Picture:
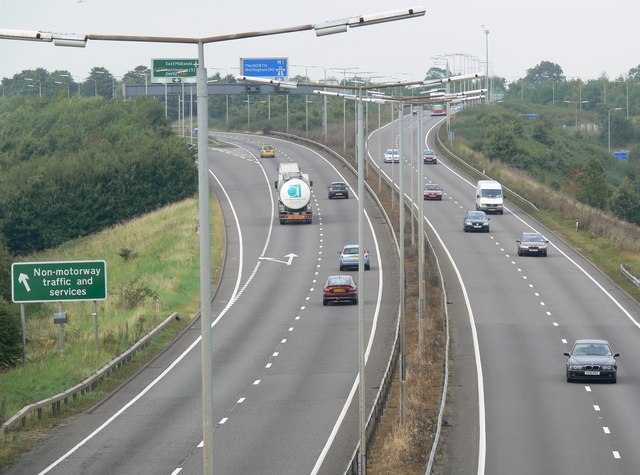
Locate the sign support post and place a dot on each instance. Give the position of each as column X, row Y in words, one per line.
column 95, row 323
column 23, row 322
column 61, row 329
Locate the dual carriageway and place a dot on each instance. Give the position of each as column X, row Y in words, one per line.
column 285, row 367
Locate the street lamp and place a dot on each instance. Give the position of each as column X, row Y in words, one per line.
column 71, row 80
column 626, row 83
column 39, row 85
column 68, row 89
column 609, row 123
column 95, row 86
column 321, row 29
column 146, row 84
column 576, row 103
column 486, row 75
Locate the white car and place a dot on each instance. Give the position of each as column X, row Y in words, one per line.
column 392, row 155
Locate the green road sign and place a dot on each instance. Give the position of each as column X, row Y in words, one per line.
column 174, row 68
column 58, row 281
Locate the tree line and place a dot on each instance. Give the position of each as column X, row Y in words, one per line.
column 70, row 168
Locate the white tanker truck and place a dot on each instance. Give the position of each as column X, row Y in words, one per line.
column 294, row 194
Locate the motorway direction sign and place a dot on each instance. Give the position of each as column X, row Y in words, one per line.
column 622, row 155
column 174, row 68
column 275, row 68
column 58, row 281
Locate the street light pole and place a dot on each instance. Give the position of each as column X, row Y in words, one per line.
column 361, row 298
column 626, row 83
column 68, row 90
column 576, row 103
column 609, row 123
column 403, row 378
column 30, row 79
column 422, row 143
column 486, row 75
column 95, row 86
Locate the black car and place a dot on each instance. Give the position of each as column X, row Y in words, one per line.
column 592, row 360
column 338, row 189
column 532, row 244
column 475, row 221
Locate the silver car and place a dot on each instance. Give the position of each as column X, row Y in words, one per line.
column 350, row 257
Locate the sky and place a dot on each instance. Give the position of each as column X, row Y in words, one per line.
column 586, row 38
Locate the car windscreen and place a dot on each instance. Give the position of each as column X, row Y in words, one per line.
column 532, row 238
column 491, row 193
column 597, row 349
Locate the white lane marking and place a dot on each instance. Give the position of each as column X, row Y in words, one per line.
column 241, row 400
column 606, row 430
column 616, row 454
column 178, row 359
column 256, row 382
column 596, row 408
column 482, row 440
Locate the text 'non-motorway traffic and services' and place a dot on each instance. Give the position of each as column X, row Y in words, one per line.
column 58, row 281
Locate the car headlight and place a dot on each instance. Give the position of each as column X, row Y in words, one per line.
column 608, row 367
column 468, row 223
column 574, row 367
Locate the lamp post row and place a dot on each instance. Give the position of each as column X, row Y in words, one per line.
column 321, row 29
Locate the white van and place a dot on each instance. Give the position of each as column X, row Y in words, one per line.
column 489, row 196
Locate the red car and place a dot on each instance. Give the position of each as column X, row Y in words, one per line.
column 432, row 191
column 340, row 288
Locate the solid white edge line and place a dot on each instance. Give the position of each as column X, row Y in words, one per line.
column 175, row 362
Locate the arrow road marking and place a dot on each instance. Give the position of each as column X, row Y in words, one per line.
column 24, row 280
column 287, row 262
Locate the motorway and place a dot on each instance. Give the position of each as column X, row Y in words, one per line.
column 511, row 410
column 285, row 366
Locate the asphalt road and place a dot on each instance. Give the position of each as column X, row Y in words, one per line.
column 511, row 410
column 285, row 366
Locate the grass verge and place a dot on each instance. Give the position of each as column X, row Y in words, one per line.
column 152, row 270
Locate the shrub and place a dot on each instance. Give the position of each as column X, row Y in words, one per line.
column 135, row 293
column 10, row 334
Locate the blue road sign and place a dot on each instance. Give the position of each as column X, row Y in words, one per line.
column 275, row 68
column 621, row 154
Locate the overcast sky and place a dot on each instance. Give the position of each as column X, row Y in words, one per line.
column 587, row 38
